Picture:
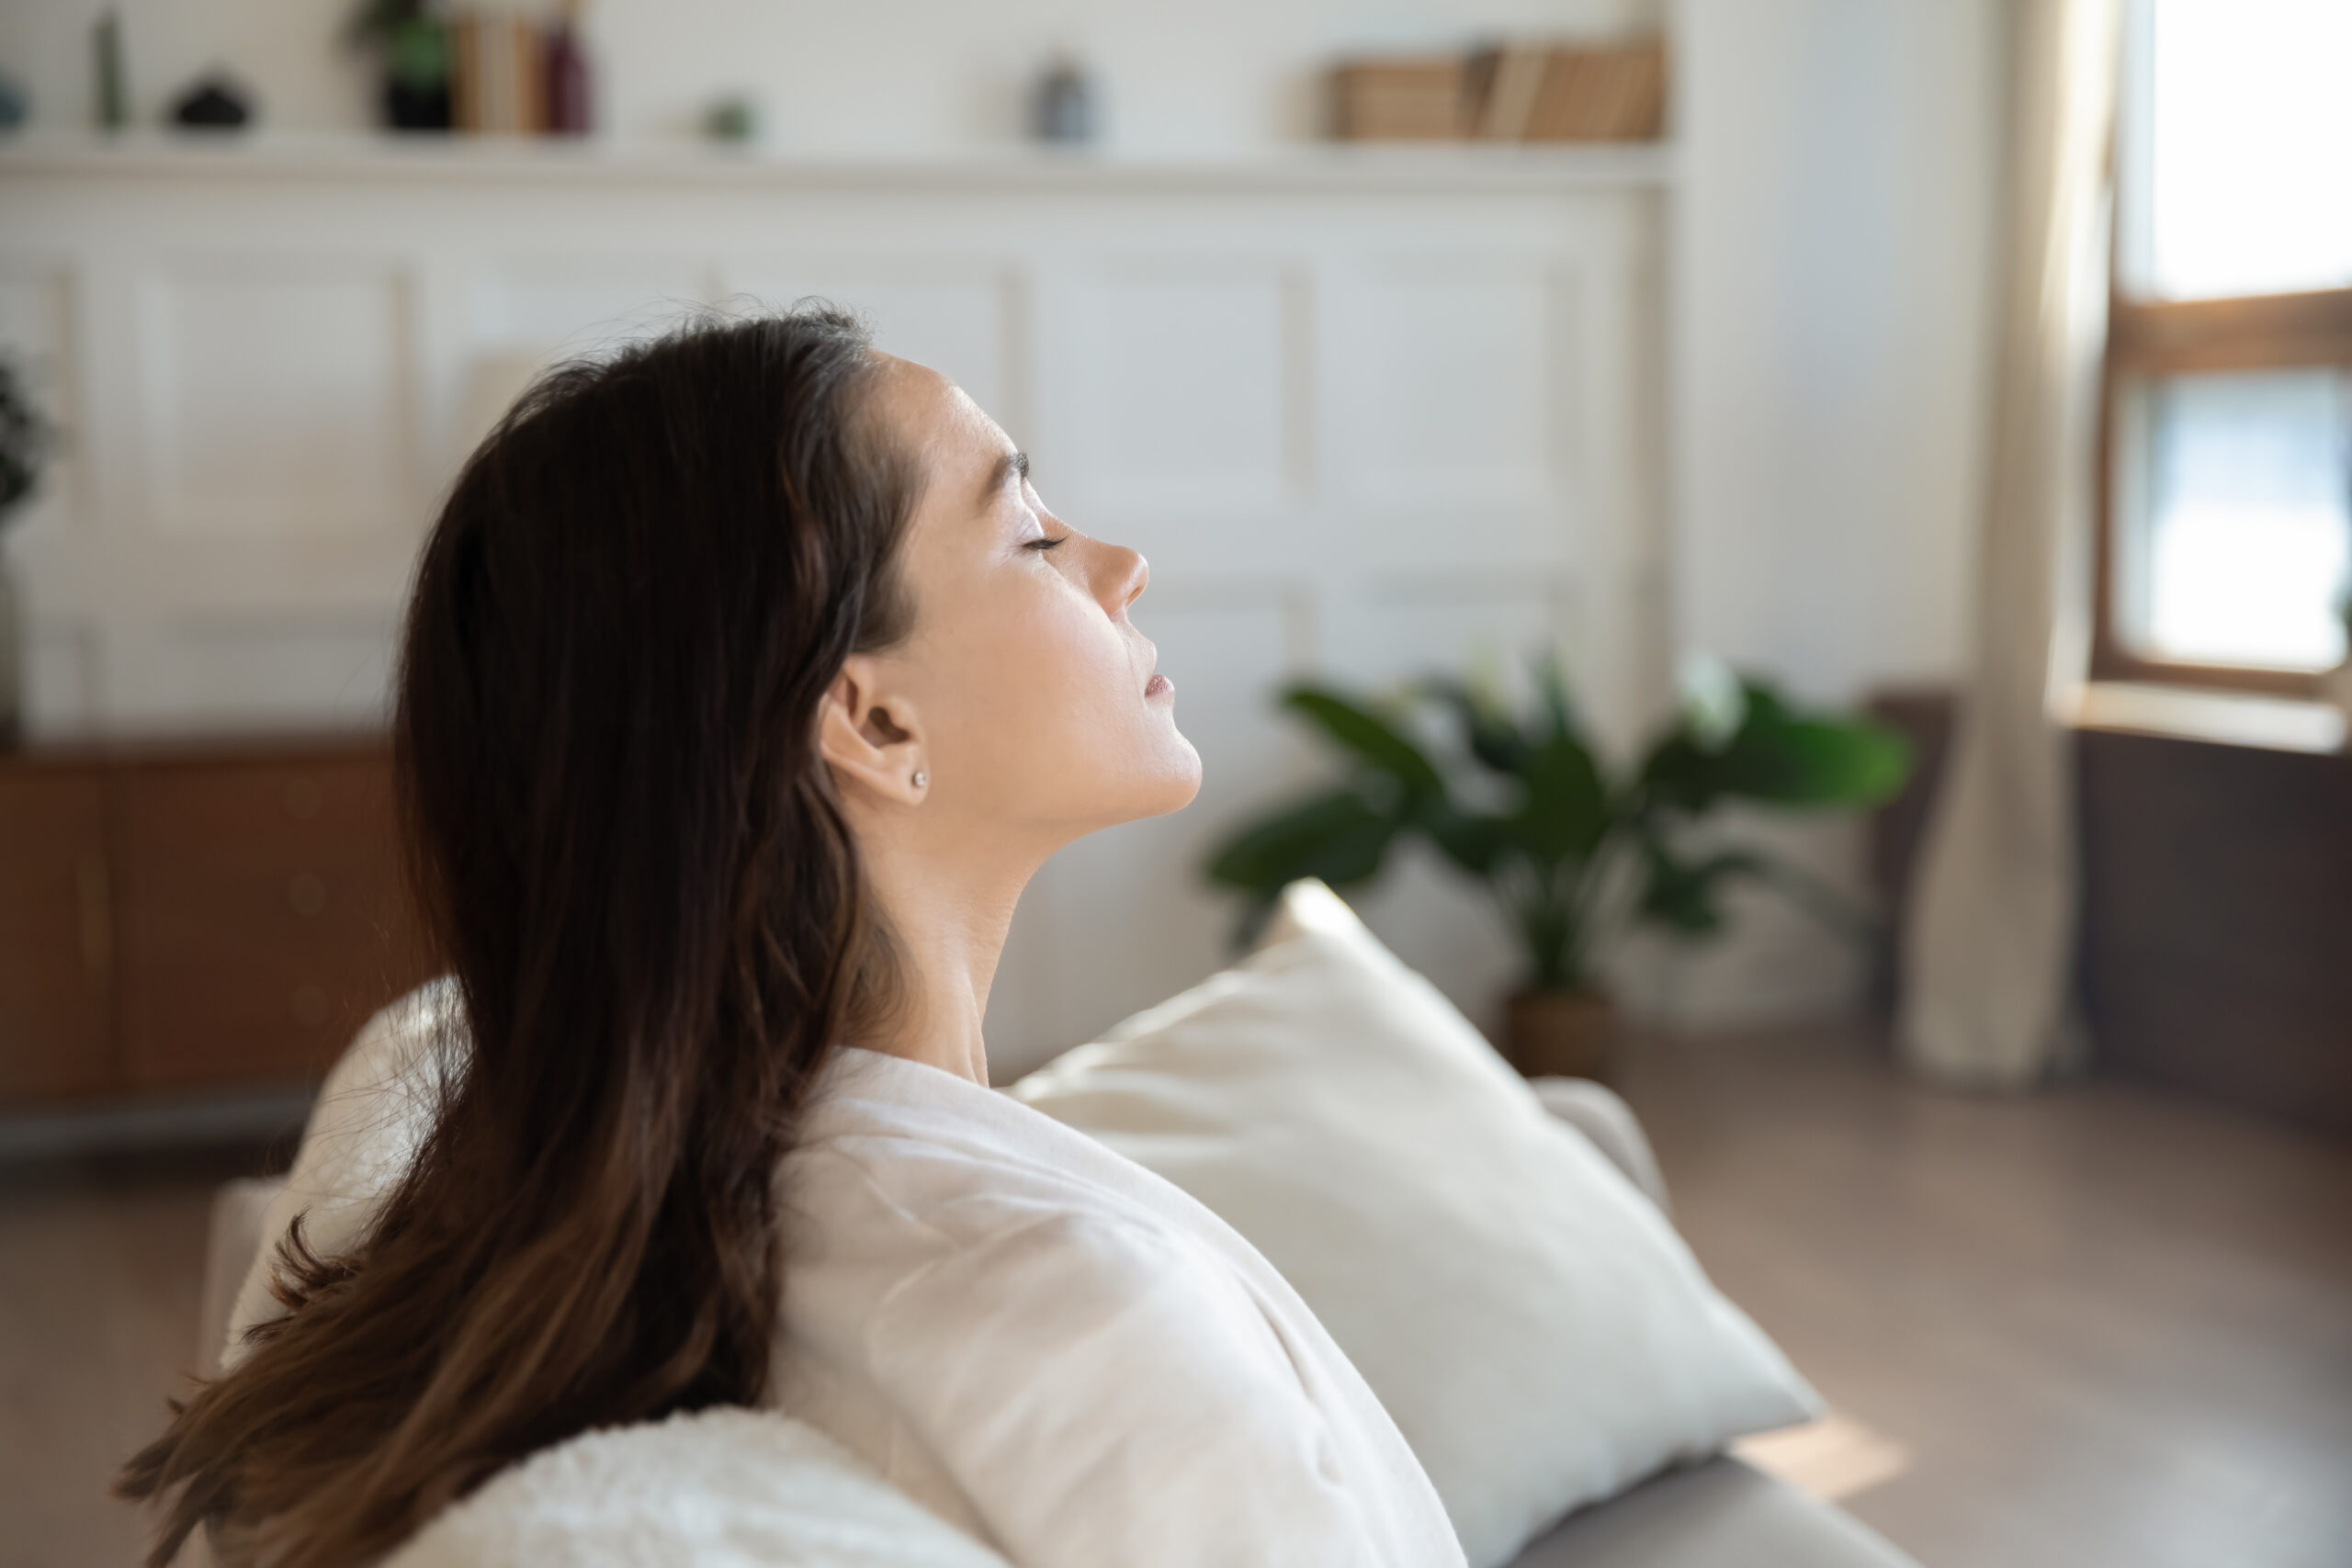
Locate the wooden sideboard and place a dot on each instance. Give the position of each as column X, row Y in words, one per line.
column 177, row 917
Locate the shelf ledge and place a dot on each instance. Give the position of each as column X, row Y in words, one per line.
column 1339, row 166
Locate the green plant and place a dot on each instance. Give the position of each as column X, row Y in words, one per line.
column 1570, row 857
column 412, row 38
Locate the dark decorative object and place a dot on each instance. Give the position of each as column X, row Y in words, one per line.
column 25, row 440
column 1063, row 110
column 1570, row 857
column 113, row 76
column 15, row 108
column 214, row 102
column 570, row 96
column 413, row 49
column 734, row 120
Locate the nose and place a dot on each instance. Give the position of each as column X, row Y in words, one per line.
column 1120, row 577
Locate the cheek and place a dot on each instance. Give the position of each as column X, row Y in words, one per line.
column 1045, row 710
column 1060, row 665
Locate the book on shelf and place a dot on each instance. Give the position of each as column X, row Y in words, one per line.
column 1536, row 91
column 1399, row 100
column 1591, row 95
column 499, row 83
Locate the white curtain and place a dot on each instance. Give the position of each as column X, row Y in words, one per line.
column 1989, row 948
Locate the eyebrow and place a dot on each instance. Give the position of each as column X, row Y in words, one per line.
column 1010, row 465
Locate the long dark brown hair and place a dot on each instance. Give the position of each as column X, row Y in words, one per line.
column 634, row 862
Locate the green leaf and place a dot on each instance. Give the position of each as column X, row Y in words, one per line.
column 1566, row 808
column 1683, row 894
column 1490, row 735
column 1552, row 688
column 1682, row 775
column 1815, row 760
column 1337, row 836
column 1473, row 840
column 1780, row 756
column 1370, row 737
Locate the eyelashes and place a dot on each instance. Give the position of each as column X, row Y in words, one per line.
column 1046, row 544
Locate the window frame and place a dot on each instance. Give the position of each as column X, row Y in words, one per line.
column 2150, row 338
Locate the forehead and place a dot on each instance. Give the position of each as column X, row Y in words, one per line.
column 945, row 428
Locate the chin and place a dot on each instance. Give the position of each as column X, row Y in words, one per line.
column 1172, row 784
column 1188, row 785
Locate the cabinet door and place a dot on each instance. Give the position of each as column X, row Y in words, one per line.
column 263, row 918
column 56, row 940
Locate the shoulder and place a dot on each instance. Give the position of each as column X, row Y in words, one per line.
column 930, row 1215
column 922, row 1147
column 935, row 1215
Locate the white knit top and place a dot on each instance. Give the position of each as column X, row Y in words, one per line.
column 1035, row 1338
column 1063, row 1353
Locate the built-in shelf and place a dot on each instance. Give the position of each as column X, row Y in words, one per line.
column 358, row 155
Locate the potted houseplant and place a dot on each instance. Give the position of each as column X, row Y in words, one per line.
column 415, row 53
column 24, row 443
column 1570, row 856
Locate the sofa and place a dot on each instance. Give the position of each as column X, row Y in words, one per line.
column 1717, row 1514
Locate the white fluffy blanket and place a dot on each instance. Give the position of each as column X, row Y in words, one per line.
column 726, row 1488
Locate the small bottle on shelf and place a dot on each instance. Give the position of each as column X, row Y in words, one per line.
column 571, row 104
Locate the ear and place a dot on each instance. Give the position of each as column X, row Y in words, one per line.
column 870, row 738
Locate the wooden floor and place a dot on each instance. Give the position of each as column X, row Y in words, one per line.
column 101, row 1262
column 2104, row 1325
column 2101, row 1327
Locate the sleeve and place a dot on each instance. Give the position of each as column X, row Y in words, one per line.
column 1106, row 1394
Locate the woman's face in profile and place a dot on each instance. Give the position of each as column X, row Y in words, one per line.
column 1033, row 694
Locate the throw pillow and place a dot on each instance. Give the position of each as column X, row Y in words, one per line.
column 1531, row 1321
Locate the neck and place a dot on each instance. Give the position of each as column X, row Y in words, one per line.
column 948, row 915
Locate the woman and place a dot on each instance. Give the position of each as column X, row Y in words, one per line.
column 746, row 681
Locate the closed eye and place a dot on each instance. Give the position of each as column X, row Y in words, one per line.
column 1046, row 544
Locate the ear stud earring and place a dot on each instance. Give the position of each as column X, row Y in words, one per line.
column 921, row 778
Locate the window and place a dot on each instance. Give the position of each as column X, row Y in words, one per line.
column 2225, row 544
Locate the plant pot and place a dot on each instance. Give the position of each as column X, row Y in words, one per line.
column 1560, row 1033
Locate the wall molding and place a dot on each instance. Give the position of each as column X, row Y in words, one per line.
column 1370, row 413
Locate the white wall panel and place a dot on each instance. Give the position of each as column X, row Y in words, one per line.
column 1354, row 414
column 61, row 691
column 963, row 318
column 324, row 671
column 1450, row 376
column 520, row 313
column 276, row 396
column 1172, row 402
column 574, row 304
column 1446, row 619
